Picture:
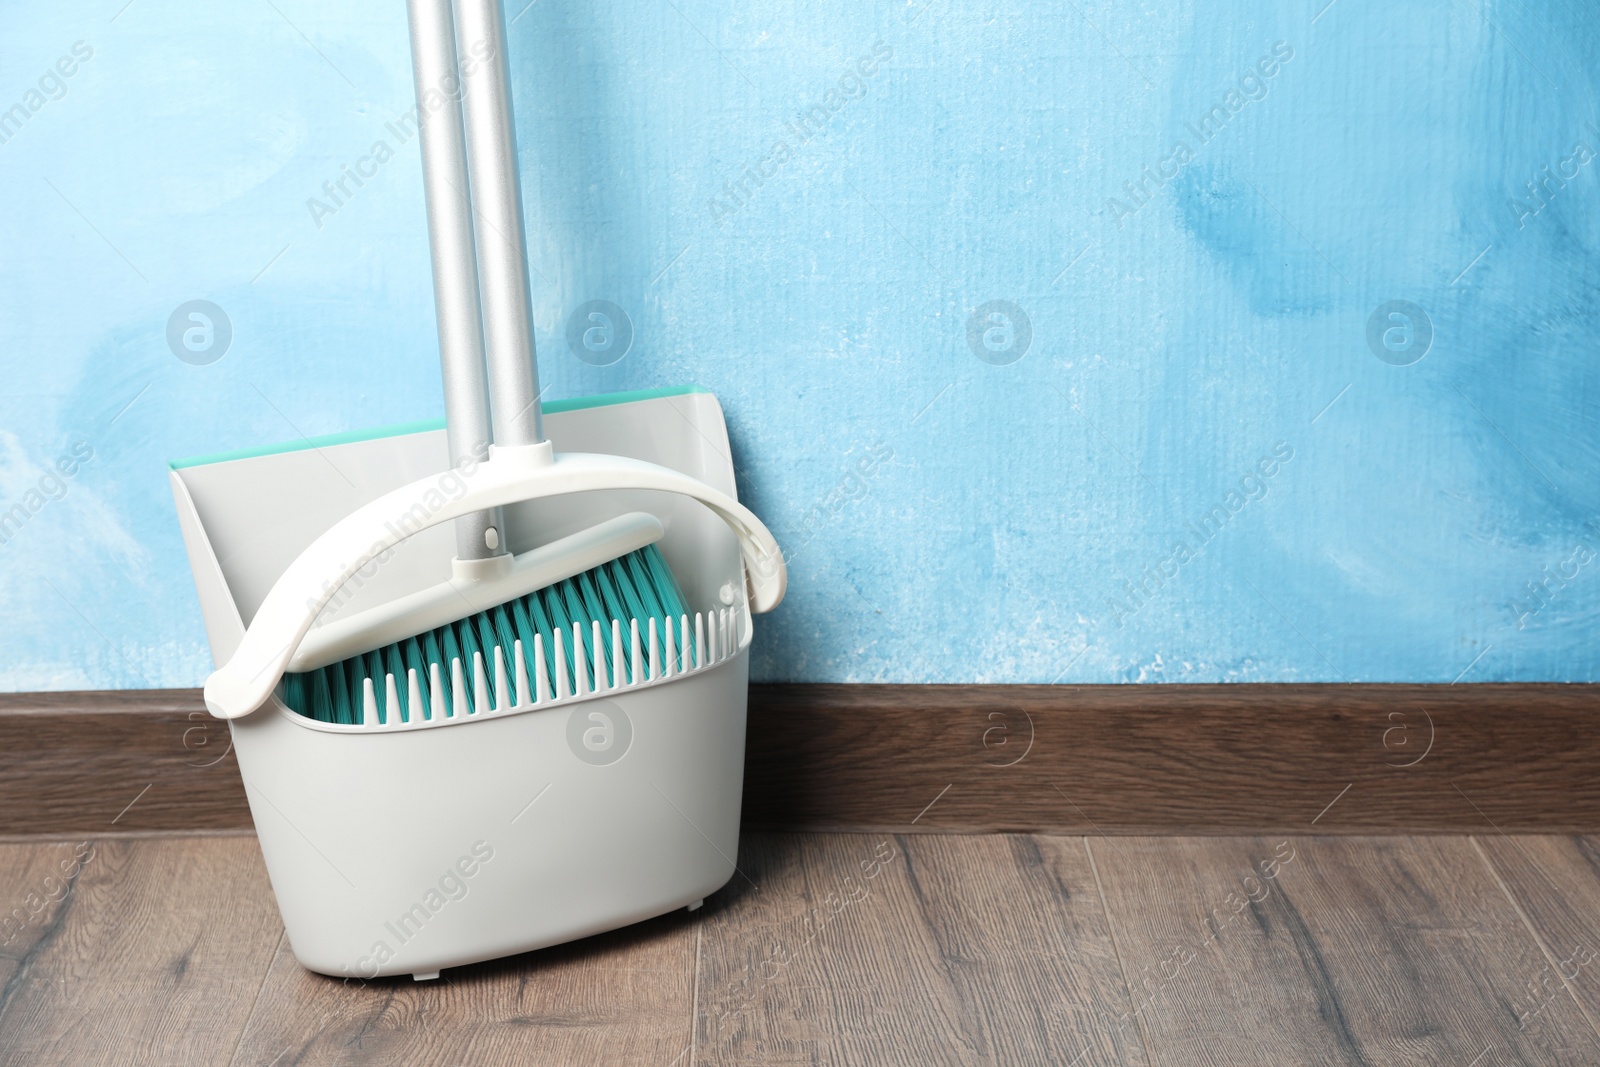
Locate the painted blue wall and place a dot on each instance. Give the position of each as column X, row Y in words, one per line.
column 1192, row 214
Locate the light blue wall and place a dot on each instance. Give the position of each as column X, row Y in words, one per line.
column 1178, row 337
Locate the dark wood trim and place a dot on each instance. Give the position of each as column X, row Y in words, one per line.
column 72, row 763
column 1160, row 759
column 1176, row 759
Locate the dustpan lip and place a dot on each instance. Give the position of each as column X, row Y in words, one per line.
column 564, row 703
column 553, row 407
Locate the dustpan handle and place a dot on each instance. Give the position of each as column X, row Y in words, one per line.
column 455, row 265
column 366, row 535
column 502, row 245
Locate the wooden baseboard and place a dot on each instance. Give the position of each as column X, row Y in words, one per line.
column 1120, row 759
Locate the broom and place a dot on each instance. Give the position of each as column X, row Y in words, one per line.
column 526, row 605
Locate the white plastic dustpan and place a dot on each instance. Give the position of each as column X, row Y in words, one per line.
column 411, row 846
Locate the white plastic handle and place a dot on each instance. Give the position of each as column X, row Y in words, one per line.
column 509, row 475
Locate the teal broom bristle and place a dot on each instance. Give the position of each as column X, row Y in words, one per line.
column 635, row 586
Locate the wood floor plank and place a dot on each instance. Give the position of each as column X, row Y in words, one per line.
column 848, row 949
column 619, row 998
column 153, row 955
column 1354, row 951
column 35, row 878
column 852, row 949
column 1556, row 883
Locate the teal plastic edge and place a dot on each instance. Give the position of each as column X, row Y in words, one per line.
column 554, row 407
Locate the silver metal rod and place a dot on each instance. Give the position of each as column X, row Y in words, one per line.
column 497, row 202
column 455, row 270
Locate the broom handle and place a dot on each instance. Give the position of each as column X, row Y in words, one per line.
column 455, row 271
column 502, row 246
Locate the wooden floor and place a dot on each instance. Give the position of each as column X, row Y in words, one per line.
column 857, row 949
